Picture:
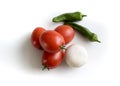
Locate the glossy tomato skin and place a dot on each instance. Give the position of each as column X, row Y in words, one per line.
column 35, row 37
column 52, row 60
column 66, row 31
column 51, row 41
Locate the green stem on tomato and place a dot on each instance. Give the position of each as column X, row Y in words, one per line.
column 62, row 47
column 44, row 67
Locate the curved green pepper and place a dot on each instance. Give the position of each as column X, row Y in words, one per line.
column 70, row 17
column 84, row 31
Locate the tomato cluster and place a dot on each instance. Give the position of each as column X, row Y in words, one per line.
column 53, row 43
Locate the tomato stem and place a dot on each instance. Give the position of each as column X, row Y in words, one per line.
column 44, row 67
column 62, row 47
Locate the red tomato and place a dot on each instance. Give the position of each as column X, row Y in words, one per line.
column 66, row 31
column 51, row 41
column 35, row 37
column 52, row 60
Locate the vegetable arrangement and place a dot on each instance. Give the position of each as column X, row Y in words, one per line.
column 53, row 42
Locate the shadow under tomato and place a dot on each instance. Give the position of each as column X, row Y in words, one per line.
column 31, row 56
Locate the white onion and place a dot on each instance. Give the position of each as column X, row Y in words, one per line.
column 76, row 55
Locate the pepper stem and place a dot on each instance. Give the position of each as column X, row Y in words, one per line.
column 98, row 41
column 84, row 15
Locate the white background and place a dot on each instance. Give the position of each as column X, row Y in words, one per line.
column 20, row 62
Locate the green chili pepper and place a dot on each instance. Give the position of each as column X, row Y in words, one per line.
column 84, row 31
column 69, row 17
